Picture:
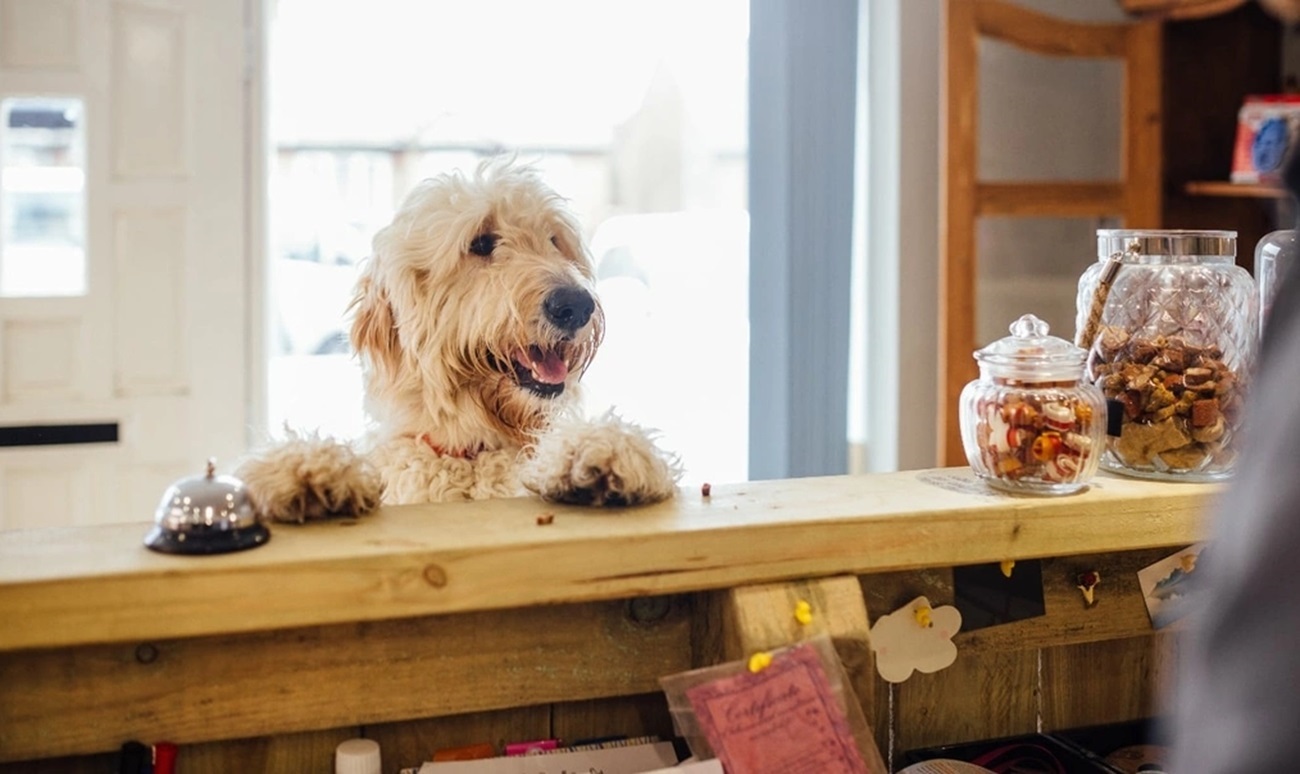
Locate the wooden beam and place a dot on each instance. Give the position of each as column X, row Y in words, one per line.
column 94, row 585
column 750, row 619
column 1058, row 200
column 959, row 173
column 1045, row 34
column 90, row 699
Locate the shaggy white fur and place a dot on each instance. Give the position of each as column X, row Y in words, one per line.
column 475, row 318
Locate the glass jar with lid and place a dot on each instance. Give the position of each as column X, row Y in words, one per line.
column 1171, row 324
column 1030, row 423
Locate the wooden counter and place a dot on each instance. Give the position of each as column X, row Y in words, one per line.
column 473, row 620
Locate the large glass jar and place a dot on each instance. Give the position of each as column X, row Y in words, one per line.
column 1029, row 423
column 1171, row 324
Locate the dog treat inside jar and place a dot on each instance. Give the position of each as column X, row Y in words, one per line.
column 1030, row 423
column 1170, row 322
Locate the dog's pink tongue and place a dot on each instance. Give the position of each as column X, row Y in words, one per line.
column 547, row 366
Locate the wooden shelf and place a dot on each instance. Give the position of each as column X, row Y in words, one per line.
column 86, row 585
column 1238, row 190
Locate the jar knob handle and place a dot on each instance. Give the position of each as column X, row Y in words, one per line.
column 1029, row 326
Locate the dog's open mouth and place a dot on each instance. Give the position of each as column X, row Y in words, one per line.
column 541, row 371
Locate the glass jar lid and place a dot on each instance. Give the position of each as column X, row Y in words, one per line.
column 1133, row 245
column 1030, row 354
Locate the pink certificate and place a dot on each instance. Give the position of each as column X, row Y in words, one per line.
column 782, row 720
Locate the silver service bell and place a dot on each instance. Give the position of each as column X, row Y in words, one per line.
column 207, row 514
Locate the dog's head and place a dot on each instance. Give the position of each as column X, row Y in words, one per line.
column 476, row 314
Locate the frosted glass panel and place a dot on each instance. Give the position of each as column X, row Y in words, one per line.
column 42, row 197
column 1048, row 118
column 1031, row 265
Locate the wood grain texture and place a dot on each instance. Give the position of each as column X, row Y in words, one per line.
column 982, row 696
column 311, row 751
column 1234, row 190
column 1119, row 613
column 958, row 204
column 87, row 699
column 1143, row 124
column 1100, row 682
column 1074, row 200
column 760, row 618
column 1043, row 34
column 1180, row 9
column 640, row 715
column 411, row 742
column 98, row 585
column 993, row 690
column 79, row 764
column 1209, row 66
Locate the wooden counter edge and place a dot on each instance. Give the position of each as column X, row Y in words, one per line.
column 98, row 585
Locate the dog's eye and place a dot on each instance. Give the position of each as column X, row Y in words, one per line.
column 555, row 242
column 483, row 244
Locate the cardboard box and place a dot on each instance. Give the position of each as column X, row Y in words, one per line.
column 1267, row 127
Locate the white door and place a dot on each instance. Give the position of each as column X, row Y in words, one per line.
column 123, row 251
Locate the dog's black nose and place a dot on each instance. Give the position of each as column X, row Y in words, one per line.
column 569, row 308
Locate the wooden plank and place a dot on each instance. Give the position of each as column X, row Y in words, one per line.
column 98, row 585
column 1043, row 34
column 1067, row 200
column 1234, row 190
column 760, row 618
column 1180, row 9
column 89, row 699
column 990, row 692
column 80, row 764
column 958, row 170
column 982, row 696
column 1100, row 682
column 1140, row 150
column 641, row 715
column 1120, row 612
column 409, row 743
column 311, row 751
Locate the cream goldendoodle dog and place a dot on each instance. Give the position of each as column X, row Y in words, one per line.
column 475, row 317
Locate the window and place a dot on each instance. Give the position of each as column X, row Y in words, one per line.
column 42, row 197
column 634, row 110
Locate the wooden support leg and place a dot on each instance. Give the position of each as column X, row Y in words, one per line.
column 735, row 623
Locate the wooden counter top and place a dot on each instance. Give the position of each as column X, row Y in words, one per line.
column 91, row 585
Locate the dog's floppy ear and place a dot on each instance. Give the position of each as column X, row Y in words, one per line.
column 374, row 331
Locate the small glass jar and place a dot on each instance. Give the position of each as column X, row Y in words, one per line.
column 1171, row 324
column 1030, row 423
column 1273, row 257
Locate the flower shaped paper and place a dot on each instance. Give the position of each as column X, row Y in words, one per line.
column 904, row 645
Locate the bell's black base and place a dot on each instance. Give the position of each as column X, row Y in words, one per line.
column 204, row 542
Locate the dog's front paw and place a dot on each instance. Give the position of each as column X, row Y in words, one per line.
column 603, row 462
column 307, row 477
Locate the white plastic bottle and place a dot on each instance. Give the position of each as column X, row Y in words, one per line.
column 357, row 756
